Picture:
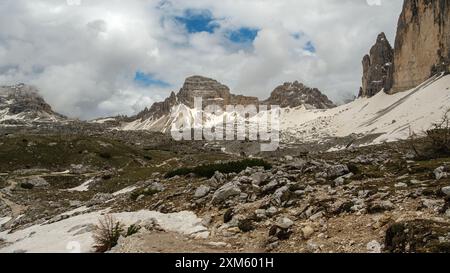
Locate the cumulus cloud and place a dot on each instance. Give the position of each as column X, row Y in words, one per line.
column 85, row 58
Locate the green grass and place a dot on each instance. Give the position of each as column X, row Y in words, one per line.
column 208, row 170
column 56, row 152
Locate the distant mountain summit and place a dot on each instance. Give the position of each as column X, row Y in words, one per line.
column 22, row 104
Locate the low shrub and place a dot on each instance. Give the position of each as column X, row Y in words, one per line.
column 133, row 229
column 107, row 234
column 105, row 155
column 436, row 143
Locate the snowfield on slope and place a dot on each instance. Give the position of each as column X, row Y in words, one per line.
column 394, row 117
column 75, row 234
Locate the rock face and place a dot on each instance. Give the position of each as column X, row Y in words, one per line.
column 296, row 94
column 211, row 91
column 422, row 44
column 23, row 103
column 377, row 68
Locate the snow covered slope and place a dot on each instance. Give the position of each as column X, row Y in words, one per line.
column 75, row 233
column 393, row 117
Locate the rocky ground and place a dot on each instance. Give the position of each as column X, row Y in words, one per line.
column 371, row 199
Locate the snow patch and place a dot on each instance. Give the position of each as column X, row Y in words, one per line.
column 64, row 236
column 126, row 190
column 83, row 187
column 4, row 220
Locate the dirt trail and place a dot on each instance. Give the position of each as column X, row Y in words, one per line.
column 16, row 209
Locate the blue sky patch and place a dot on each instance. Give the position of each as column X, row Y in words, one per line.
column 310, row 47
column 243, row 35
column 297, row 35
column 198, row 21
column 147, row 80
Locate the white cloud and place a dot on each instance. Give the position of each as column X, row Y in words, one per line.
column 83, row 58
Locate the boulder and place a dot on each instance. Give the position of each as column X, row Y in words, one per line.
column 226, row 191
column 335, row 171
column 440, row 173
column 35, row 182
column 202, row 191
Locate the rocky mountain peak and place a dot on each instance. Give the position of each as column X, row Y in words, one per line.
column 210, row 90
column 296, row 94
column 24, row 102
column 377, row 67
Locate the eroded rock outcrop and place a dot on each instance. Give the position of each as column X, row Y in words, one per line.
column 296, row 94
column 377, row 68
column 23, row 103
column 422, row 45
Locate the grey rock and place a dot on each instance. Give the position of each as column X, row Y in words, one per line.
column 258, row 178
column 202, row 191
column 374, row 247
column 35, row 182
column 272, row 211
column 156, row 187
column 380, row 206
column 335, row 171
column 281, row 196
column 226, row 191
column 440, row 173
column 285, row 223
column 446, row 191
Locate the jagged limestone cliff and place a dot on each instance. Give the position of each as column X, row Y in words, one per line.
column 422, row 45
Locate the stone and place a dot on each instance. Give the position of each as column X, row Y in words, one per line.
column 261, row 213
column 285, row 223
column 380, row 206
column 339, row 181
column 258, row 178
column 307, row 232
column 446, row 191
column 335, row 171
column 440, row 173
column 202, row 191
column 281, row 196
column 226, row 191
column 374, row 247
column 35, row 182
column 280, row 233
column 272, row 211
column 156, row 187
column 401, row 185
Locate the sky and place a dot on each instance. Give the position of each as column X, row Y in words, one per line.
column 93, row 58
